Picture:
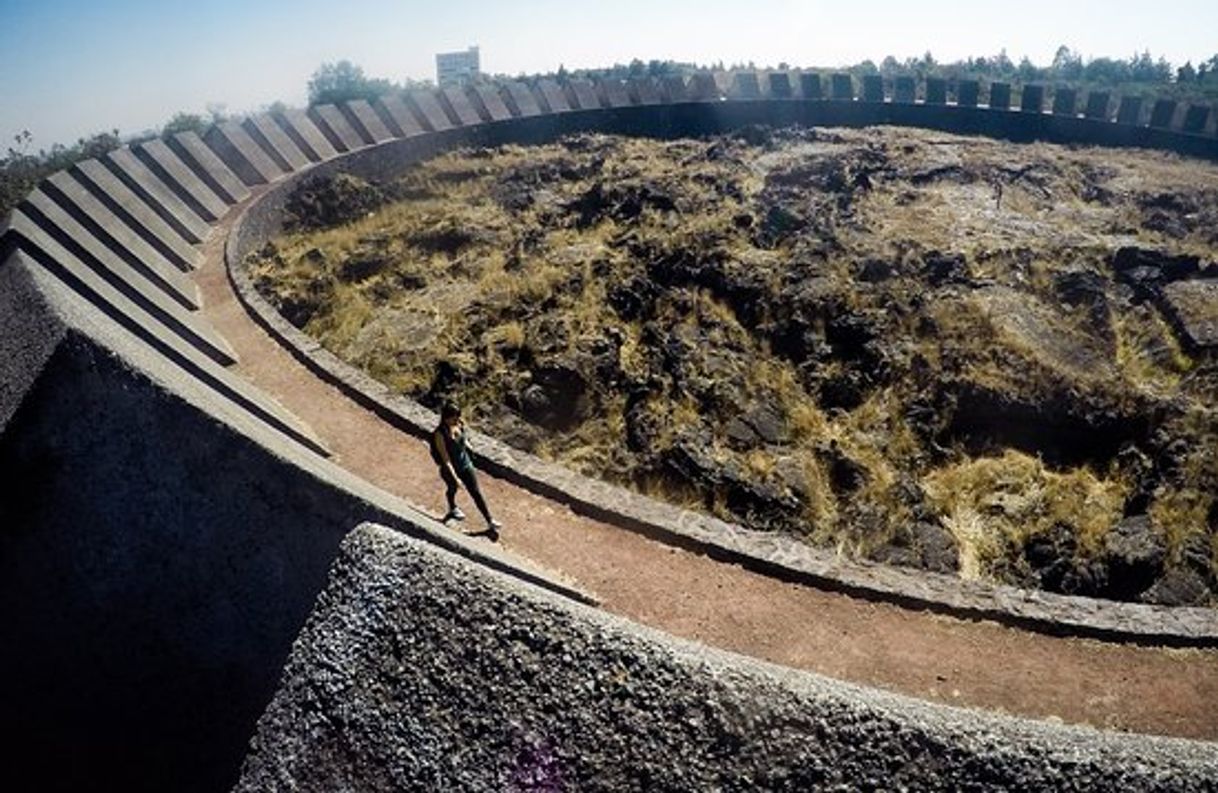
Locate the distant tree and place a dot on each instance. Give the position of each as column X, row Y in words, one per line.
column 97, row 145
column 185, row 122
column 344, row 81
column 20, row 170
column 218, row 112
column 1028, row 71
column 1067, row 64
column 1186, row 73
column 889, row 66
column 22, row 139
column 1143, row 68
column 1003, row 65
column 1106, row 70
column 657, row 68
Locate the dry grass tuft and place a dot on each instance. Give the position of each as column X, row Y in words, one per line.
column 995, row 505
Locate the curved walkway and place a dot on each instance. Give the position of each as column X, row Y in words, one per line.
column 969, row 663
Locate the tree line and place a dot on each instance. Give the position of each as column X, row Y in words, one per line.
column 22, row 168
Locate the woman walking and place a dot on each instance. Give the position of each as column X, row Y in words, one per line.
column 449, row 450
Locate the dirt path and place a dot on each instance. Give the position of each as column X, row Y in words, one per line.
column 975, row 664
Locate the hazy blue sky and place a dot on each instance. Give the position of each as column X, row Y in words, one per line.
column 73, row 67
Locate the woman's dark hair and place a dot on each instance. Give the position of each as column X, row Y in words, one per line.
column 449, row 410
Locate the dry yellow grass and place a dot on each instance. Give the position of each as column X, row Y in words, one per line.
column 995, row 505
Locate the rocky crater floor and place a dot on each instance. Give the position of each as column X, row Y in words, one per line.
column 949, row 353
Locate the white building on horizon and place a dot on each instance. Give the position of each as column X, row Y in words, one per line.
column 458, row 68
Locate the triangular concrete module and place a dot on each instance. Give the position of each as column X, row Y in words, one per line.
column 271, row 137
column 250, row 161
column 334, row 125
column 460, row 105
column 492, row 104
column 172, row 240
column 403, row 625
column 614, row 93
column 520, row 99
column 88, row 210
column 296, row 123
column 188, row 185
column 40, row 216
column 552, row 93
column 366, row 121
column 430, row 110
column 157, row 194
column 218, row 176
column 402, row 116
column 584, row 94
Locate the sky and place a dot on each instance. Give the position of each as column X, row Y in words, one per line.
column 70, row 68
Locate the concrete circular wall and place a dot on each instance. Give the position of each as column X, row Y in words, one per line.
column 185, row 486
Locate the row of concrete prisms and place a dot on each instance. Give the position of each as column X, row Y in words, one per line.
column 125, row 230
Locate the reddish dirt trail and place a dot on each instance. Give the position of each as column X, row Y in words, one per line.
column 960, row 662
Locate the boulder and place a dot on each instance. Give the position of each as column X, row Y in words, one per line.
column 767, row 420
column 1134, row 552
column 634, row 298
column 621, row 202
column 777, row 225
column 875, row 271
column 924, row 545
column 938, row 550
column 790, row 473
column 1147, row 270
column 843, row 389
column 741, row 286
column 1178, row 587
column 332, row 201
column 359, row 268
column 845, row 474
column 1083, row 288
column 853, row 337
column 945, row 268
column 451, row 375
column 557, row 398
column 761, row 505
column 761, row 424
column 450, row 238
column 300, row 306
column 740, row 435
column 1192, row 307
column 1064, row 426
column 643, row 430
